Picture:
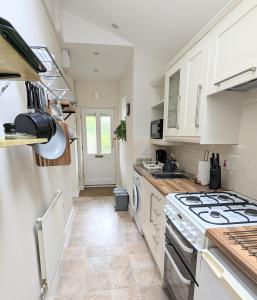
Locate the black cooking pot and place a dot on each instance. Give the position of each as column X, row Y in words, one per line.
column 38, row 123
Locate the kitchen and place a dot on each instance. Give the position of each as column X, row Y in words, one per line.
column 186, row 157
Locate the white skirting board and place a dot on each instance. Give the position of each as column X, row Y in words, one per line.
column 50, row 231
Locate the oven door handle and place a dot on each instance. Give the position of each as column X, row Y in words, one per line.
column 182, row 278
column 181, row 244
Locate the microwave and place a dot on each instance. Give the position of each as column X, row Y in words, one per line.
column 157, row 129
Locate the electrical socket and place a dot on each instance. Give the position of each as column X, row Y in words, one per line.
column 226, row 164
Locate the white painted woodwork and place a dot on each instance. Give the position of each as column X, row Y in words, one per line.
column 153, row 221
column 234, row 48
column 99, row 168
column 174, row 79
column 196, row 61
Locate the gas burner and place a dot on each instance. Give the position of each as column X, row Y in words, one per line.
column 224, row 197
column 251, row 212
column 215, row 214
column 193, row 199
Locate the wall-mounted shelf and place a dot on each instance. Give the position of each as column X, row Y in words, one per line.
column 17, row 60
column 161, row 142
column 12, row 63
column 72, row 140
column 52, row 79
column 18, row 142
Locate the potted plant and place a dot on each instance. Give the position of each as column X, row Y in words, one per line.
column 120, row 131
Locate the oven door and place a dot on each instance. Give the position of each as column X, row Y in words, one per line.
column 184, row 248
column 178, row 280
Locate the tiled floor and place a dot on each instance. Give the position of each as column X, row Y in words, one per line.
column 106, row 258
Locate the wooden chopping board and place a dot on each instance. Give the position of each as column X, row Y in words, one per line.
column 241, row 257
column 63, row 160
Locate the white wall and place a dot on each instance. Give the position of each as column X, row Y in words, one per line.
column 135, row 85
column 126, row 89
column 242, row 158
column 108, row 92
column 25, row 189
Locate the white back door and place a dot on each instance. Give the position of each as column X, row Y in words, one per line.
column 98, row 146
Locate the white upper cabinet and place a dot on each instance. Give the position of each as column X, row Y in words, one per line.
column 196, row 61
column 234, row 48
column 174, row 79
column 185, row 86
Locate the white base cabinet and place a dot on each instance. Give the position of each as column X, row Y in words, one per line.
column 219, row 279
column 154, row 221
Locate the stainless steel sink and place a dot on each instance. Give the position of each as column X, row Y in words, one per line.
column 171, row 175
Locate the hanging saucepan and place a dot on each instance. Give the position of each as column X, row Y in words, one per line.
column 55, row 147
column 38, row 123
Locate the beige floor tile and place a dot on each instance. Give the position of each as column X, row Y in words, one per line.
column 122, row 279
column 77, row 241
column 98, row 264
column 106, row 257
column 73, row 266
column 70, row 284
column 97, row 281
column 102, row 295
column 105, row 250
column 108, row 263
column 127, row 294
column 147, row 277
column 154, row 293
column 74, row 253
column 136, row 247
column 133, row 237
column 70, row 297
column 119, row 263
column 142, row 261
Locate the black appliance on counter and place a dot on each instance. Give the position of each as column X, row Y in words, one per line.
column 157, row 129
column 161, row 156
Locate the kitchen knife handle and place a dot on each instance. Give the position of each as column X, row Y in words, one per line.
column 28, row 91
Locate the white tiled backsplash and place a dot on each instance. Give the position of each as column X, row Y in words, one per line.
column 241, row 176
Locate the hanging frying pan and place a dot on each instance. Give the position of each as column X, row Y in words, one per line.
column 55, row 147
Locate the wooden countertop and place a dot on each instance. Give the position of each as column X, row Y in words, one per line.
column 166, row 186
column 241, row 257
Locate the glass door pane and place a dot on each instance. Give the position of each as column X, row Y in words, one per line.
column 91, row 134
column 174, row 82
column 106, row 144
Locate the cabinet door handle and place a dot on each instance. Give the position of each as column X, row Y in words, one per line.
column 197, row 107
column 251, row 69
column 178, row 110
column 151, row 207
column 99, row 156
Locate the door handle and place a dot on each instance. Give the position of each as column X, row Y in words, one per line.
column 178, row 112
column 197, row 107
column 251, row 69
column 99, row 156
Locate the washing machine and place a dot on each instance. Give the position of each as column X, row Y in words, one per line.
column 136, row 201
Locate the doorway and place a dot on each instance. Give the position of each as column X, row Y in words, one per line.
column 98, row 147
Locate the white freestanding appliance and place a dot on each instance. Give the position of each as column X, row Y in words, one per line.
column 136, row 201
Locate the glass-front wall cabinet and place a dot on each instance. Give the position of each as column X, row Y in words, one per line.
column 172, row 99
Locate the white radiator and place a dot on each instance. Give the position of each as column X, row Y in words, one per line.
column 50, row 231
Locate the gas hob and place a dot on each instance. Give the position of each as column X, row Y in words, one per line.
column 193, row 213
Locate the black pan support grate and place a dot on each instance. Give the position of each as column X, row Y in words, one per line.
column 247, row 239
column 211, row 195
column 229, row 208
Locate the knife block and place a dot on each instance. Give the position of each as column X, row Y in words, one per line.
column 215, row 179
